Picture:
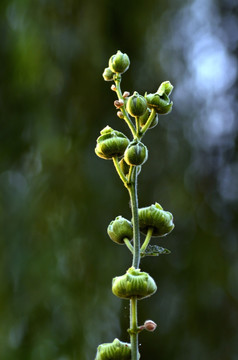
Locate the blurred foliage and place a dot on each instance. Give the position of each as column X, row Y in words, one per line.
column 57, row 197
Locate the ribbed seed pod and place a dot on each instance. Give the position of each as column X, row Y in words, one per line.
column 136, row 105
column 136, row 153
column 119, row 62
column 133, row 284
column 143, row 119
column 119, row 229
column 107, row 74
column 117, row 350
column 156, row 218
column 111, row 143
column 161, row 104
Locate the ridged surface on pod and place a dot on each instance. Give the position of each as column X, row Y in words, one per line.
column 117, row 350
column 136, row 153
column 111, row 143
column 119, row 62
column 161, row 104
column 133, row 284
column 136, row 105
column 119, row 229
column 155, row 217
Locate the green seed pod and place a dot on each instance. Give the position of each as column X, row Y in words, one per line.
column 161, row 104
column 119, row 229
column 117, row 350
column 143, row 119
column 136, row 153
column 107, row 74
column 111, row 143
column 156, row 218
column 136, row 105
column 133, row 284
column 119, row 62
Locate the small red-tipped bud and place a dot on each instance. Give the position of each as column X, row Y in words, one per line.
column 120, row 115
column 119, row 103
column 126, row 94
column 150, row 325
column 113, row 87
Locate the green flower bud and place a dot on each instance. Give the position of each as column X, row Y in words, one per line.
column 133, row 283
column 119, row 229
column 119, row 62
column 143, row 119
column 111, row 143
column 156, row 218
column 165, row 88
column 161, row 104
column 136, row 153
column 107, row 74
column 117, row 350
column 136, row 105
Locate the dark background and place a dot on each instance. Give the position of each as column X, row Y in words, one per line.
column 57, row 198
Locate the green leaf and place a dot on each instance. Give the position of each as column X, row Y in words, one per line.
column 154, row 250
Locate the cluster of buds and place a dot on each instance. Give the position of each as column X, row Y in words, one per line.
column 140, row 113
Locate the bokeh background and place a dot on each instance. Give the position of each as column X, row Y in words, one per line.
column 57, row 198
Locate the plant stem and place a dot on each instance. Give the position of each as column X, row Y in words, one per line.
column 127, row 119
column 148, row 123
column 119, row 170
column 128, row 244
column 134, row 329
column 132, row 188
column 147, row 239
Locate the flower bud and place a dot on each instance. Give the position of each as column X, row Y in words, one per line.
column 119, row 229
column 136, row 153
column 107, row 74
column 136, row 105
column 143, row 119
column 119, row 62
column 111, row 143
column 156, row 218
column 126, row 94
column 117, row 350
column 133, row 284
column 118, row 103
column 120, row 115
column 150, row 325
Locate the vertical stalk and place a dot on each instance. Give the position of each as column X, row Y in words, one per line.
column 133, row 329
column 132, row 188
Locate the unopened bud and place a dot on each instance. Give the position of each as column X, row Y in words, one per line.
column 126, row 94
column 119, row 62
column 150, row 325
column 108, row 74
column 119, row 103
column 113, row 87
column 120, row 115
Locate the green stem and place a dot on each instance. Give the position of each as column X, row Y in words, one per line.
column 117, row 80
column 147, row 240
column 132, row 188
column 128, row 244
column 148, row 123
column 119, row 170
column 134, row 329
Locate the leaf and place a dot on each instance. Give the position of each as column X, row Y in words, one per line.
column 155, row 250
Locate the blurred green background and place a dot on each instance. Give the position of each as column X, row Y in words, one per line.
column 57, row 198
